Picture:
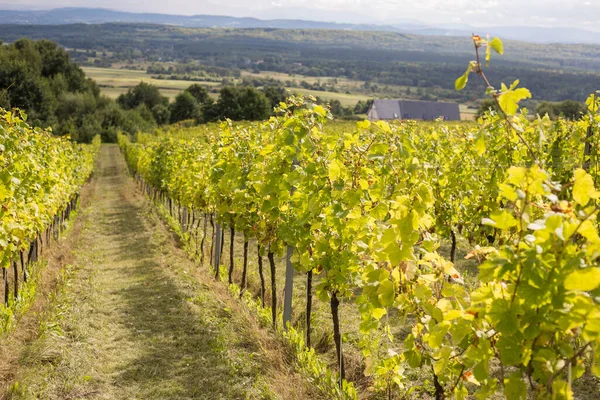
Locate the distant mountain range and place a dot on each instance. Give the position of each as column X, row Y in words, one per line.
column 62, row 16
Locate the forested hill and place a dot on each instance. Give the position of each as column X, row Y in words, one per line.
column 70, row 15
column 414, row 47
column 552, row 72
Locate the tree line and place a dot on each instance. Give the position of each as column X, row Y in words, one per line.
column 40, row 78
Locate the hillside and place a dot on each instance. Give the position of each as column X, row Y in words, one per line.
column 240, row 241
column 73, row 15
column 385, row 59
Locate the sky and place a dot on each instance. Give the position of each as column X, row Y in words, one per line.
column 549, row 13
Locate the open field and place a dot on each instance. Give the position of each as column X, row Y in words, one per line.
column 114, row 81
column 466, row 113
column 344, row 83
column 347, row 100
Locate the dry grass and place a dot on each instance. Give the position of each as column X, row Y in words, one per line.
column 58, row 257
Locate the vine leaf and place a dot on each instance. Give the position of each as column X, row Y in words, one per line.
column 586, row 279
column 510, row 98
column 385, row 293
column 497, row 46
column 514, row 387
column 461, row 82
column 378, row 313
column 583, row 188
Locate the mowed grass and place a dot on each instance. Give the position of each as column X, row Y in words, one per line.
column 138, row 320
column 466, row 113
column 283, row 77
column 347, row 100
column 321, row 325
column 114, row 81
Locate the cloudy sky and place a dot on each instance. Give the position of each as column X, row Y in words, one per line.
column 567, row 13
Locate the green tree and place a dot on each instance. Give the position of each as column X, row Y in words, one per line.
column 206, row 110
column 200, row 93
column 572, row 110
column 569, row 109
column 137, row 121
column 362, row 107
column 40, row 78
column 548, row 108
column 487, row 105
column 254, row 105
column 228, row 105
column 275, row 95
column 184, row 107
column 161, row 113
column 148, row 95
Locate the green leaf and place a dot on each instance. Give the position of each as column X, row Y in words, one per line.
column 386, row 293
column 461, row 392
column 592, row 103
column 480, row 144
column 586, row 279
column 459, row 330
column 583, row 188
column 413, row 358
column 437, row 335
column 507, row 191
column 510, row 350
column 443, row 357
column 514, row 387
column 397, row 253
column 497, row 45
column 596, row 362
column 500, row 219
column 3, row 192
column 509, row 99
column 516, row 175
column 589, row 231
column 384, row 126
column 561, row 390
column 335, row 169
column 320, row 110
column 461, row 82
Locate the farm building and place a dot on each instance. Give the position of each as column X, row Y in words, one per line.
column 412, row 109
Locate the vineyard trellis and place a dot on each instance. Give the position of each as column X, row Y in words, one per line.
column 368, row 212
column 40, row 180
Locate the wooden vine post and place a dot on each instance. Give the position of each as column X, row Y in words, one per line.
column 217, row 260
column 289, row 273
column 587, row 150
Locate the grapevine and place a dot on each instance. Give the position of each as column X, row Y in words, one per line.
column 366, row 210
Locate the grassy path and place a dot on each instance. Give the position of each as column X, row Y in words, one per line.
column 137, row 320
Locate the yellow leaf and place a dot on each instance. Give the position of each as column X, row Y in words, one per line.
column 583, row 188
column 320, row 110
column 363, row 124
column 585, row 279
column 378, row 313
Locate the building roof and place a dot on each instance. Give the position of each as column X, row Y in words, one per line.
column 412, row 109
